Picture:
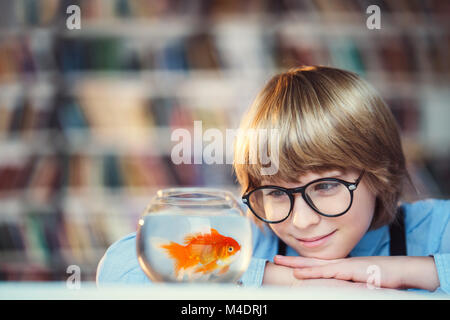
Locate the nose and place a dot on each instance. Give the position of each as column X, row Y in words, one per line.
column 303, row 216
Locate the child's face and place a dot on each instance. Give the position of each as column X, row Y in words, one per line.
column 304, row 225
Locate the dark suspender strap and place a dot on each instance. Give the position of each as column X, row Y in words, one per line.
column 398, row 235
column 281, row 247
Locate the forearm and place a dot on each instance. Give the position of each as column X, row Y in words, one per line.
column 421, row 274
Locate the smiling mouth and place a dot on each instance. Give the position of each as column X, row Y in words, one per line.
column 316, row 241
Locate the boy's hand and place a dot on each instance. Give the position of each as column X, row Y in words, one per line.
column 387, row 272
column 282, row 275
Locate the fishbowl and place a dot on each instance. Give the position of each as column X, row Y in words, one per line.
column 194, row 235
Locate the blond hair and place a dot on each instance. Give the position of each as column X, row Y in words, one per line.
column 327, row 118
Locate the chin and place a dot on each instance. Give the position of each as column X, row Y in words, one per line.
column 325, row 254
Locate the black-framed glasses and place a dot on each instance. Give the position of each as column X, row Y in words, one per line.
column 329, row 197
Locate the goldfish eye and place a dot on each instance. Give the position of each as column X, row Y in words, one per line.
column 230, row 249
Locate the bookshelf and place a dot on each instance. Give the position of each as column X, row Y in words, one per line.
column 86, row 115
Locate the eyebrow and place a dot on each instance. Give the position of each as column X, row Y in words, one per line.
column 333, row 174
column 329, row 174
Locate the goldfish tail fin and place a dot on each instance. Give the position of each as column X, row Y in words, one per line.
column 178, row 253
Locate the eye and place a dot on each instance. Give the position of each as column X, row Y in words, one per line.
column 276, row 193
column 230, row 249
column 325, row 186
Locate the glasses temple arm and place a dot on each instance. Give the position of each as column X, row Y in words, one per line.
column 360, row 177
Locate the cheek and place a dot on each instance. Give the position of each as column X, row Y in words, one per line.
column 357, row 220
column 280, row 229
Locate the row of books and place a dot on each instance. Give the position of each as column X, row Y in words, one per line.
column 37, row 12
column 194, row 52
column 72, row 128
column 42, row 178
column 398, row 53
column 62, row 235
column 103, row 109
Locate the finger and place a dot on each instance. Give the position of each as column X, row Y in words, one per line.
column 295, row 262
column 326, row 272
column 309, row 273
column 327, row 283
column 301, row 262
column 340, row 271
column 340, row 283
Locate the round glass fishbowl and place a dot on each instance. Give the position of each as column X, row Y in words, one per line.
column 194, row 235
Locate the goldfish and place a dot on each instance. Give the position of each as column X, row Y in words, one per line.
column 202, row 253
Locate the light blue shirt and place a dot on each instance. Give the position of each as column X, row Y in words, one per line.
column 427, row 233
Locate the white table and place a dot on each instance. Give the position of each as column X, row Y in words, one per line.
column 89, row 291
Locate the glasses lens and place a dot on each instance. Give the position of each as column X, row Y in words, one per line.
column 329, row 197
column 271, row 204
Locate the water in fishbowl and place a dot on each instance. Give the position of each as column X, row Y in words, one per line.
column 180, row 247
